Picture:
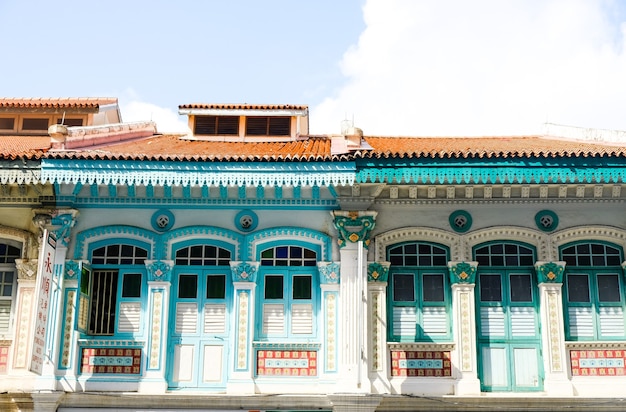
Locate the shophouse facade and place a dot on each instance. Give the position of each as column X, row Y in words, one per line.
column 251, row 265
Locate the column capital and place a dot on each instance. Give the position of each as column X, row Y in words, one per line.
column 329, row 272
column 244, row 271
column 159, row 270
column 550, row 272
column 26, row 268
column 378, row 271
column 57, row 221
column 462, row 272
column 354, row 226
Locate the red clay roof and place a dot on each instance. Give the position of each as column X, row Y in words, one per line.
column 487, row 147
column 317, row 148
column 55, row 103
column 27, row 147
column 243, row 106
column 171, row 147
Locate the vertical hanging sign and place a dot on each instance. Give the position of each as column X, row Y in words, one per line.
column 44, row 281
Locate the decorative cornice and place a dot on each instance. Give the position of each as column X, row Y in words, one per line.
column 354, row 226
column 244, row 271
column 80, row 251
column 378, row 271
column 290, row 233
column 462, row 272
column 550, row 272
column 329, row 272
column 604, row 233
column 202, row 233
column 535, row 238
column 159, row 270
column 423, row 234
column 287, row 345
column 596, row 345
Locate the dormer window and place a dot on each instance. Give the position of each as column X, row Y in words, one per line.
column 246, row 122
column 217, row 125
column 268, row 126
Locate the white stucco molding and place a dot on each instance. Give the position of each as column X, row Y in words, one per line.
column 510, row 233
column 602, row 233
column 426, row 234
column 28, row 240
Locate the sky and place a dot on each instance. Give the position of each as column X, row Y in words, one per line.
column 391, row 67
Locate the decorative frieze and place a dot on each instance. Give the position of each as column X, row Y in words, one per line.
column 550, row 272
column 354, row 226
column 378, row 271
column 462, row 272
column 159, row 270
column 110, row 360
column 435, row 364
column 26, row 269
column 329, row 272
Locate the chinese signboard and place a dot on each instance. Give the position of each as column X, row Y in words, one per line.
column 44, row 281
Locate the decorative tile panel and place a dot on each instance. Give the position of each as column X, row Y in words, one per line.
column 421, row 363
column 156, row 326
column 286, row 363
column 4, row 359
column 109, row 360
column 331, row 328
column 598, row 362
column 23, row 324
column 68, row 322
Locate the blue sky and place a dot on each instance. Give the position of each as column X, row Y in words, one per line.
column 396, row 67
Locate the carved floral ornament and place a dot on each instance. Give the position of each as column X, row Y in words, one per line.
column 378, row 271
column 244, row 271
column 462, row 272
column 354, row 226
column 550, row 272
column 329, row 272
column 26, row 268
column 159, row 270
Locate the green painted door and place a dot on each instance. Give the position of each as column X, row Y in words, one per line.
column 509, row 337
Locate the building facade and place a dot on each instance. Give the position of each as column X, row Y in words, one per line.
column 251, row 265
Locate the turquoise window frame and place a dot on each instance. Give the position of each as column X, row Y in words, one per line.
column 592, row 272
column 418, row 273
column 121, row 271
column 288, row 273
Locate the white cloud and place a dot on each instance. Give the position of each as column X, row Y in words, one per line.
column 167, row 120
column 437, row 67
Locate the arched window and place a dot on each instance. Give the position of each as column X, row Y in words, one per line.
column 8, row 284
column 288, row 295
column 111, row 293
column 593, row 291
column 418, row 292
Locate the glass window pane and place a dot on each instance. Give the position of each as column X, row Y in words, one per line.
column 187, row 286
column 490, row 288
column 578, row 288
column 521, row 288
column 432, row 288
column 273, row 287
column 302, row 287
column 282, row 252
column 403, row 288
column 131, row 285
column 216, row 287
column 608, row 288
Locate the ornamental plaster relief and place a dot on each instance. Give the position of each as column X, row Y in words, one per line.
column 383, row 240
column 602, row 233
column 30, row 249
column 533, row 237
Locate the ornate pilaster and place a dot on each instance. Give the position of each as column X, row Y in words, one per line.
column 354, row 229
column 329, row 275
column 354, row 226
column 550, row 279
column 244, row 276
column 159, row 283
column 377, row 275
column 462, row 278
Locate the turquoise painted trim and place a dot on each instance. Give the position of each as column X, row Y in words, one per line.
column 491, row 175
column 197, row 173
column 195, row 235
column 112, row 190
column 149, row 191
column 318, row 241
column 278, row 192
column 131, row 191
column 108, row 235
column 76, row 189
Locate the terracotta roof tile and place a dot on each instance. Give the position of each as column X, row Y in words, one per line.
column 243, row 106
column 486, row 147
column 55, row 103
column 172, row 147
column 28, row 147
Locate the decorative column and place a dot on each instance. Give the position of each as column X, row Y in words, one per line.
column 377, row 275
column 353, row 229
column 159, row 283
column 550, row 279
column 49, row 310
column 240, row 380
column 463, row 280
column 329, row 274
column 25, row 298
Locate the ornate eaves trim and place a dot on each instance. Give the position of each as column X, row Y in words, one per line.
column 197, row 174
